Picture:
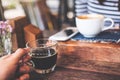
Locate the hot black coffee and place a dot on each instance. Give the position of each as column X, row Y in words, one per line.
column 43, row 58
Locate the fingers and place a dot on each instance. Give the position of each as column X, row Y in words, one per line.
column 24, row 77
column 23, row 72
column 24, row 69
column 26, row 58
column 19, row 54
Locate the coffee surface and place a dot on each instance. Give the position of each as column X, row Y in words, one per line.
column 43, row 58
column 90, row 16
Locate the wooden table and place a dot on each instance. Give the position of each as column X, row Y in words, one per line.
column 71, row 74
column 96, row 57
column 85, row 61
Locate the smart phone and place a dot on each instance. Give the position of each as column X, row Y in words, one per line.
column 64, row 34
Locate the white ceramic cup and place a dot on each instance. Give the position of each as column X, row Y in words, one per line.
column 90, row 25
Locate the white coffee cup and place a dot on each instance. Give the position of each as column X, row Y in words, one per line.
column 90, row 25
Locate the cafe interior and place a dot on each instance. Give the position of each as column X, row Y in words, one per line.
column 78, row 58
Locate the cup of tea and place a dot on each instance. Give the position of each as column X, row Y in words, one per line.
column 43, row 54
column 90, row 25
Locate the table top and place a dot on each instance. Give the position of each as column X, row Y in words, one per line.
column 61, row 73
column 105, row 65
column 71, row 67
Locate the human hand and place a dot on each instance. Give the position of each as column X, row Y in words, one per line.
column 12, row 66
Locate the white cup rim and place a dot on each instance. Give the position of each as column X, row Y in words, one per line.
column 90, row 16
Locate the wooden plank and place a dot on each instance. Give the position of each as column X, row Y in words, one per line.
column 18, row 24
column 32, row 32
column 71, row 74
column 97, row 57
column 109, row 52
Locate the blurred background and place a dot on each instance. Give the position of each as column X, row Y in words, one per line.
column 45, row 14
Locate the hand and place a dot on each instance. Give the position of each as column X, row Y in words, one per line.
column 12, row 67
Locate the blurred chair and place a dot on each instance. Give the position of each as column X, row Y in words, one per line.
column 23, row 31
column 1, row 11
column 39, row 14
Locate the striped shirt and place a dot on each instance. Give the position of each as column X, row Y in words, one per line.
column 108, row 9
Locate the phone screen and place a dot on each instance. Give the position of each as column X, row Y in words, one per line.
column 68, row 32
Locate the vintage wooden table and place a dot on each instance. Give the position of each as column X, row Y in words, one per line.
column 71, row 74
column 85, row 61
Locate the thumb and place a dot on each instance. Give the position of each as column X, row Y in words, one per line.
column 19, row 53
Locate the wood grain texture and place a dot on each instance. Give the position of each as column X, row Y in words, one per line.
column 71, row 74
column 96, row 57
column 108, row 52
column 32, row 32
column 18, row 24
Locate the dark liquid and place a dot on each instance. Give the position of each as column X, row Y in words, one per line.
column 44, row 58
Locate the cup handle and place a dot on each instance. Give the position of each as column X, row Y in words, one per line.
column 108, row 27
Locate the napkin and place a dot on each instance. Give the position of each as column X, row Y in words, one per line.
column 105, row 36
